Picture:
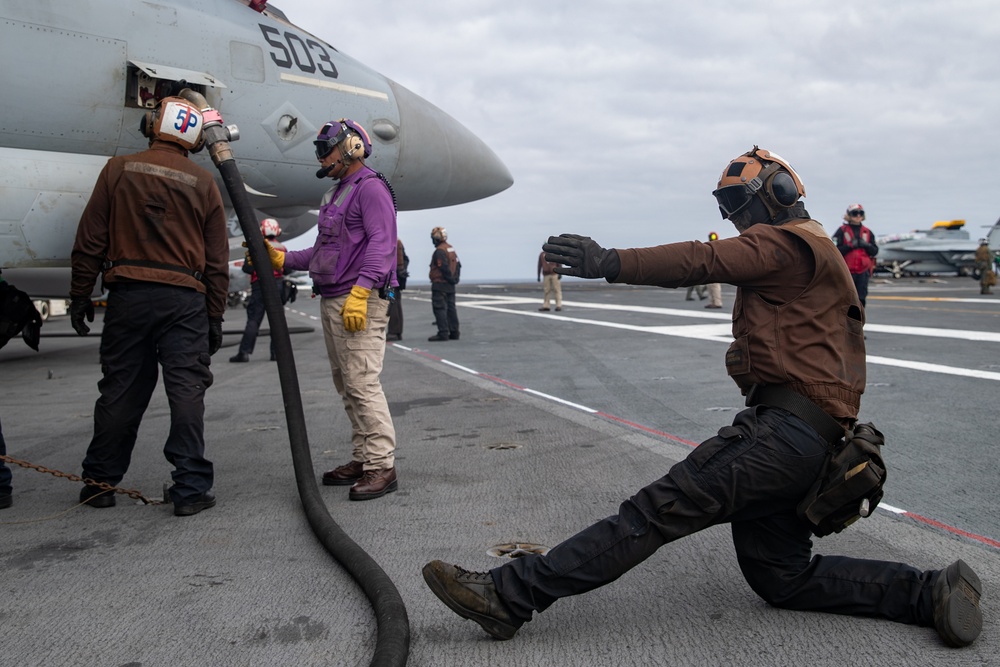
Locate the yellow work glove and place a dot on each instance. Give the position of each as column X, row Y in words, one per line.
column 276, row 256
column 355, row 310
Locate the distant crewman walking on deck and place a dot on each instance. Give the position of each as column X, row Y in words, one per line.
column 714, row 289
column 155, row 231
column 445, row 273
column 353, row 268
column 857, row 244
column 270, row 230
column 551, row 283
column 984, row 264
column 799, row 358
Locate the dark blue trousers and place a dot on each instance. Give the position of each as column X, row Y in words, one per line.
column 147, row 326
column 445, row 311
column 861, row 284
column 255, row 315
column 751, row 475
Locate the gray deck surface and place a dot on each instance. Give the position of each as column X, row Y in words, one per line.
column 497, row 444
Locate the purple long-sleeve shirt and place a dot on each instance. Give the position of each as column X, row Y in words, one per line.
column 356, row 239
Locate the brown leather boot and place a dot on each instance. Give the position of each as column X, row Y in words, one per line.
column 374, row 484
column 344, row 475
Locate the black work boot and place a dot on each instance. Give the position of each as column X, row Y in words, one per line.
column 95, row 496
column 196, row 504
column 957, row 616
column 471, row 595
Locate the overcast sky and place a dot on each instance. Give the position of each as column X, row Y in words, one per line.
column 616, row 119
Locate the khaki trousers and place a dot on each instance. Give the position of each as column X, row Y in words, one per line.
column 552, row 285
column 715, row 294
column 356, row 364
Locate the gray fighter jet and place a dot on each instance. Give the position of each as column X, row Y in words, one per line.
column 80, row 76
column 944, row 248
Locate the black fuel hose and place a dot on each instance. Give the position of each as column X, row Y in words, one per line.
column 392, row 640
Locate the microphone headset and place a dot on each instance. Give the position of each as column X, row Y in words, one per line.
column 326, row 171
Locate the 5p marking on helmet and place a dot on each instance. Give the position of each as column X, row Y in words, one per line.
column 175, row 120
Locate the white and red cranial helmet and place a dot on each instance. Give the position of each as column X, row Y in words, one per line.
column 270, row 227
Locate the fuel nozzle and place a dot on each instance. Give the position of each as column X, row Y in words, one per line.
column 217, row 135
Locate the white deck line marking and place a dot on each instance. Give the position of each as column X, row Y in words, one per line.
column 561, row 400
column 461, row 368
column 720, row 333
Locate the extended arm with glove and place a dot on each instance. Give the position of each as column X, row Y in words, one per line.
column 581, row 256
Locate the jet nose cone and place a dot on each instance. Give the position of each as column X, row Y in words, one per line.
column 468, row 170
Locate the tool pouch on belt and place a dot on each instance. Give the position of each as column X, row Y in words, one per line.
column 850, row 485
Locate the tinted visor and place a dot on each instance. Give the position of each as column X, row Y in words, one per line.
column 325, row 143
column 733, row 199
column 323, row 148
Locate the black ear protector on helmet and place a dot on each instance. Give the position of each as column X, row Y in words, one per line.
column 777, row 186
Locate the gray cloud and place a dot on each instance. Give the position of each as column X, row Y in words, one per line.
column 617, row 118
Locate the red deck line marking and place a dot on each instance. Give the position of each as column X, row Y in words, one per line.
column 500, row 381
column 951, row 529
column 647, row 429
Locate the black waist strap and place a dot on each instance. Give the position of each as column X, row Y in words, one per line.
column 147, row 264
column 781, row 397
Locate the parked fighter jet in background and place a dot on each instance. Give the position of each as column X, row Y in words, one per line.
column 80, row 76
column 944, row 248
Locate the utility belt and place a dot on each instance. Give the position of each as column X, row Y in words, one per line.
column 777, row 396
column 850, row 484
column 149, row 264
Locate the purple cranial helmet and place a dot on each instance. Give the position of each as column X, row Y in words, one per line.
column 351, row 135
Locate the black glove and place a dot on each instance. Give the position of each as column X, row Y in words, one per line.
column 870, row 249
column 80, row 307
column 18, row 315
column 33, row 329
column 582, row 257
column 214, row 334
